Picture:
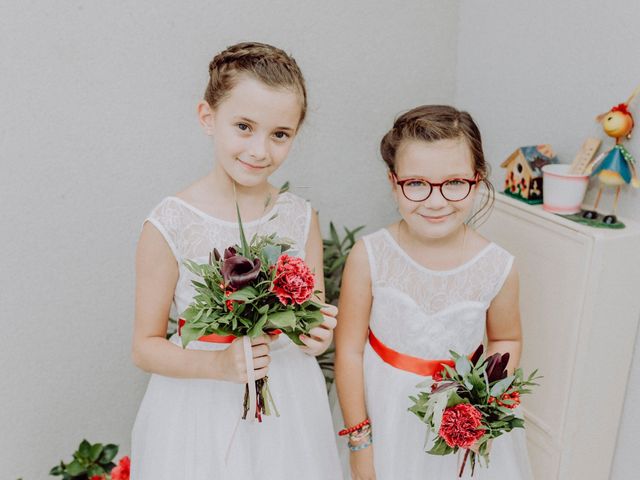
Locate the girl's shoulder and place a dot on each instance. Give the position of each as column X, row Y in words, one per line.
column 291, row 200
column 483, row 250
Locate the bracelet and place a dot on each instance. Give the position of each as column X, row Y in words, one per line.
column 347, row 431
column 360, row 447
column 355, row 437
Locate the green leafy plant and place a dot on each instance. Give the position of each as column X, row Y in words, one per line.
column 88, row 461
column 336, row 250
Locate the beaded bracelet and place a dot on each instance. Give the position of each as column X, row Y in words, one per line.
column 347, row 431
column 360, row 447
column 359, row 434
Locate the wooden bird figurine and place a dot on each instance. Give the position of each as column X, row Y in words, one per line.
column 616, row 167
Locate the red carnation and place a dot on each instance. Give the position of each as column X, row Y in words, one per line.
column 121, row 472
column 461, row 425
column 294, row 281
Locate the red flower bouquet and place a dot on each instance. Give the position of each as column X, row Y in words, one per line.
column 470, row 404
column 251, row 289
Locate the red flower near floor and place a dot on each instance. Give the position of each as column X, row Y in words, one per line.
column 294, row 281
column 97, row 477
column 121, row 471
column 461, row 425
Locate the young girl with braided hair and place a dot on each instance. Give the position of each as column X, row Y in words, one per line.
column 187, row 427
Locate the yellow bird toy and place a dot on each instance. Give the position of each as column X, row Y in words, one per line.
column 617, row 166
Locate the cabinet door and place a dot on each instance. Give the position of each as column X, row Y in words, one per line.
column 552, row 261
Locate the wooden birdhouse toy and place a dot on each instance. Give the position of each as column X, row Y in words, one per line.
column 524, row 172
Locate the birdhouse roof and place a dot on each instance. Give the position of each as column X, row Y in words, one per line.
column 534, row 156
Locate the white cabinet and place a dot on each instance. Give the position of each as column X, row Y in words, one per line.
column 580, row 311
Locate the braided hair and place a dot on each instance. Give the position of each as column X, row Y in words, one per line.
column 261, row 61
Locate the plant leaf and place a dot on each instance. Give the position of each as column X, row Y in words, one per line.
column 243, row 239
column 95, row 452
column 284, row 319
column 500, row 387
column 109, row 452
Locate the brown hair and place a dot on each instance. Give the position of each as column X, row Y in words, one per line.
column 431, row 123
column 265, row 63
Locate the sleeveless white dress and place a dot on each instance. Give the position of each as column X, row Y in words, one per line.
column 425, row 313
column 184, row 426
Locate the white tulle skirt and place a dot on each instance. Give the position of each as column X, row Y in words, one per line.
column 184, row 426
column 399, row 436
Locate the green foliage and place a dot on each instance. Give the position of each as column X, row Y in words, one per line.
column 336, row 250
column 88, row 460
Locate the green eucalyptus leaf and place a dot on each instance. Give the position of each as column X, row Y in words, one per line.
column 463, row 366
column 500, row 387
column 272, row 253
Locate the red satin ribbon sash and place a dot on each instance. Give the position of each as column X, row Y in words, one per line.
column 419, row 366
column 212, row 338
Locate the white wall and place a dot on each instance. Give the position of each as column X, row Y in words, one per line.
column 97, row 124
column 539, row 72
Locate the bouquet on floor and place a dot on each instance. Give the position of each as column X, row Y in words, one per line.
column 251, row 289
column 471, row 403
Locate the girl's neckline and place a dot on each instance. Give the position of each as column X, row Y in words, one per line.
column 274, row 210
column 418, row 265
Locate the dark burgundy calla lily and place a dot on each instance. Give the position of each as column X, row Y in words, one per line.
column 497, row 367
column 237, row 270
column 476, row 355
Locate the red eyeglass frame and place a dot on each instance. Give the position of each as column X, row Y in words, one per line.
column 471, row 183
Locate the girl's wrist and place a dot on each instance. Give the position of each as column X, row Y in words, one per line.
column 213, row 368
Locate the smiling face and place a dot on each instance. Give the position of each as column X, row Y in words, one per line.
column 252, row 129
column 436, row 162
column 617, row 124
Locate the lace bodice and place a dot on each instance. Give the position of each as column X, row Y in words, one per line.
column 192, row 234
column 425, row 313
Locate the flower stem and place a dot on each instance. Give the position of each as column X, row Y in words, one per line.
column 464, row 462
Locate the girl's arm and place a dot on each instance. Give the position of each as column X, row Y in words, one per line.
column 504, row 332
column 319, row 338
column 156, row 278
column 351, row 337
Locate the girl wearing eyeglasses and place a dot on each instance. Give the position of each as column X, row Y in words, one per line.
column 418, row 288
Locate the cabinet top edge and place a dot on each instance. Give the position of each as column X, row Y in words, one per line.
column 503, row 201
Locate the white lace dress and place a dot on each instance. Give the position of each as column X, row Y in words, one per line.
column 184, row 426
column 425, row 313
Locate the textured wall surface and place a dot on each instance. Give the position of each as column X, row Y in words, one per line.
column 98, row 124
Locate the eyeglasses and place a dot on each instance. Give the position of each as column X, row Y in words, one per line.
column 419, row 189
